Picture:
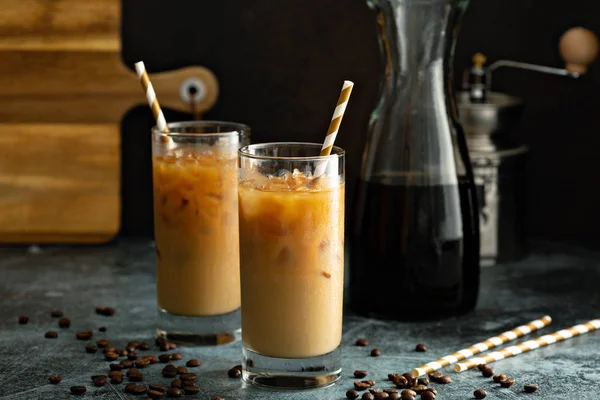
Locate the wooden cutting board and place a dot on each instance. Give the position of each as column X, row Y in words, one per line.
column 63, row 92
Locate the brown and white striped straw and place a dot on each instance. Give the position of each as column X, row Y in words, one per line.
column 530, row 345
column 334, row 126
column 483, row 346
column 161, row 123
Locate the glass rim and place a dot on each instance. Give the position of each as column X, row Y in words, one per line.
column 236, row 128
column 243, row 151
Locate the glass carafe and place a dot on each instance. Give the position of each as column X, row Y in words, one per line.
column 415, row 231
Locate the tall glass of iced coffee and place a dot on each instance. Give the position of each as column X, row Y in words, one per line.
column 196, row 230
column 292, row 264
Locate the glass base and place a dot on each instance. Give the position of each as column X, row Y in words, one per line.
column 291, row 373
column 199, row 331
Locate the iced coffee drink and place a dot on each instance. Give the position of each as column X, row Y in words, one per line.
column 292, row 264
column 196, row 231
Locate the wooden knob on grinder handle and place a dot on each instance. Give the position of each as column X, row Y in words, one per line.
column 578, row 48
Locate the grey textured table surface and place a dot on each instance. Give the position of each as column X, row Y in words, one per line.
column 559, row 280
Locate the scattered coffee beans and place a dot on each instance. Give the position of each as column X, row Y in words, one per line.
column 427, row 395
column 78, row 390
column 136, row 378
column 182, row 370
column 419, row 389
column 423, row 381
column 444, row 380
column 362, row 342
column 126, row 364
column 188, row 376
column 508, row 382
column 176, row 383
column 390, row 391
column 143, row 346
column 102, row 343
column 480, row 394
column 375, row 353
column 155, row 394
column 368, row 396
column 360, row 374
column 433, row 377
column 112, row 374
column 90, row 348
column 169, row 372
column 499, row 378
column 116, row 379
column 352, row 394
column 401, row 382
column 164, row 358
column 487, row 372
column 23, row 320
column 139, row 389
column 394, row 396
column 56, row 314
column 87, row 335
column 151, row 359
column 420, row 348
column 234, row 372
column 106, row 311
column 110, row 349
column 375, row 390
column 158, row 388
column 361, row 385
column 132, row 356
column 99, row 380
column 381, row 395
column 142, row 363
column 51, row 335
column 432, row 390
column 55, row 379
column 530, row 388
column 173, row 392
column 129, row 387
column 392, row 376
column 194, row 362
column 188, row 389
column 133, row 371
column 176, row 356
column 110, row 356
column 408, row 392
column 64, row 322
column 122, row 353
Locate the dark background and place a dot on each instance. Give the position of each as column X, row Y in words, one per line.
column 280, row 66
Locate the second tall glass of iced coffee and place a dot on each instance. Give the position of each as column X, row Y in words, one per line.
column 196, row 230
column 292, row 263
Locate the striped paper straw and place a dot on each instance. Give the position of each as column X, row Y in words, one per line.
column 334, row 126
column 140, row 68
column 483, row 346
column 530, row 345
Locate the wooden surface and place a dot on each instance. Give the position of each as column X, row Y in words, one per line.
column 63, row 92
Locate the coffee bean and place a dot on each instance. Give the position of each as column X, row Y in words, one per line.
column 116, row 379
column 111, row 356
column 191, row 389
column 143, row 346
column 194, row 362
column 234, row 373
column 358, row 385
column 129, row 387
column 23, row 320
column 56, row 314
column 176, row 383
column 78, row 390
column 133, row 343
column 427, row 395
column 182, row 370
column 391, row 377
column 169, row 373
column 164, row 358
column 375, row 353
column 369, row 382
column 122, row 353
column 487, row 372
column 171, row 345
column 64, row 322
column 142, row 363
column 106, row 311
column 432, row 390
column 190, row 377
column 132, row 356
column 394, row 396
column 480, row 394
column 481, row 366
column 173, row 392
column 51, row 335
column 351, row 394
column 158, row 388
column 133, row 371
column 139, row 389
column 100, row 380
column 400, row 382
column 362, row 342
column 444, row 380
column 176, row 356
column 109, row 349
column 433, row 377
column 55, row 379
column 508, row 382
column 151, row 359
column 136, row 378
column 238, row 367
column 530, row 388
column 126, row 364
column 87, row 335
column 102, row 329
column 390, row 391
column 360, row 373
column 115, row 373
column 499, row 378
column 375, row 390
column 421, row 348
column 155, row 394
column 102, row 343
column 419, row 389
column 408, row 392
column 368, row 396
column 423, row 381
column 407, row 397
column 381, row 396
column 90, row 348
